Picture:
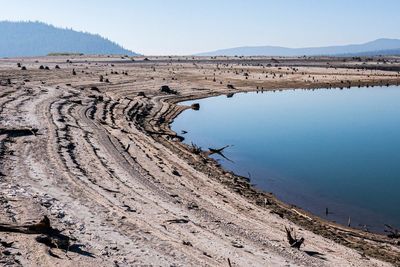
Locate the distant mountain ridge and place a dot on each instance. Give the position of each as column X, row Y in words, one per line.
column 38, row 39
column 380, row 46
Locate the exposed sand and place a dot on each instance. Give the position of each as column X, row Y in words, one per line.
column 102, row 172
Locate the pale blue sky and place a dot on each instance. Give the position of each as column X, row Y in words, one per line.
column 189, row 26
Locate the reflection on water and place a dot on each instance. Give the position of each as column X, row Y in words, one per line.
column 336, row 149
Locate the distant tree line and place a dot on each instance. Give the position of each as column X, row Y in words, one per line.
column 37, row 38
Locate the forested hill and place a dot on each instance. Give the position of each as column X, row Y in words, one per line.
column 38, row 39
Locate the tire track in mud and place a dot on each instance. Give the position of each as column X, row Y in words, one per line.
column 115, row 207
column 114, row 148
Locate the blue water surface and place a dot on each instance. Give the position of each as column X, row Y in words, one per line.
column 317, row 149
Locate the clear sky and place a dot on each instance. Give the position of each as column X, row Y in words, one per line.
column 159, row 27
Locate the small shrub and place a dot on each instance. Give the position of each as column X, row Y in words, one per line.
column 166, row 89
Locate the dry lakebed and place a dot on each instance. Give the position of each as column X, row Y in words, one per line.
column 92, row 174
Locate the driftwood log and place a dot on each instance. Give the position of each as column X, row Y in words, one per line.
column 19, row 132
column 48, row 235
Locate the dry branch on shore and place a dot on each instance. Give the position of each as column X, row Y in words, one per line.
column 219, row 151
column 47, row 235
column 291, row 237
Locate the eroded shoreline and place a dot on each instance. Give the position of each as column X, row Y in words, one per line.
column 372, row 226
column 106, row 168
column 337, row 232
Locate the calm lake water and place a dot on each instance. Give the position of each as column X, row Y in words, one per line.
column 317, row 149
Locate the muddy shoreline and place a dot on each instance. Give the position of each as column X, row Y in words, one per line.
column 348, row 236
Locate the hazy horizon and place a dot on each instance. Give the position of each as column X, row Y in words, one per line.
column 181, row 27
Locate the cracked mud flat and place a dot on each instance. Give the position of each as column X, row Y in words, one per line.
column 106, row 169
